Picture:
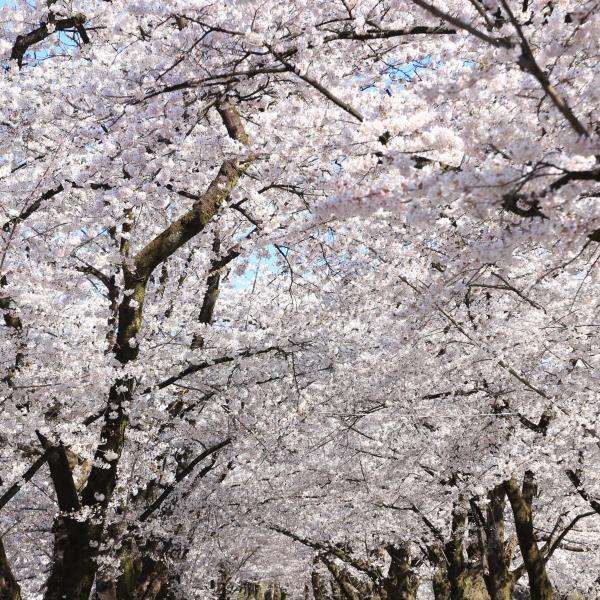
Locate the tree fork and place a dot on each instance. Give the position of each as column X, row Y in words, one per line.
column 78, row 551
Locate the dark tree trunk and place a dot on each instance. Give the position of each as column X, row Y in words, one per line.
column 440, row 581
column 336, row 592
column 540, row 587
column 76, row 544
column 349, row 591
column 9, row 588
column 401, row 582
column 455, row 578
column 319, row 587
column 501, row 581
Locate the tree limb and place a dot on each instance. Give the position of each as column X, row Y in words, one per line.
column 60, row 473
column 314, row 83
column 181, row 476
column 497, row 42
column 23, row 42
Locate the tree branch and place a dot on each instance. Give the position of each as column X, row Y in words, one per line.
column 528, row 63
column 576, row 481
column 384, row 34
column 497, row 42
column 209, row 363
column 60, row 473
column 23, row 42
column 565, row 531
column 181, row 476
column 203, row 209
column 333, row 550
column 12, row 491
column 320, row 88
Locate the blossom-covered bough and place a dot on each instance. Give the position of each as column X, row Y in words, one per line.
column 299, row 292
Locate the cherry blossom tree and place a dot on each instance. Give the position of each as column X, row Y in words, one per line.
column 299, row 293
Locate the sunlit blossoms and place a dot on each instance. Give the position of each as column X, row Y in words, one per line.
column 300, row 299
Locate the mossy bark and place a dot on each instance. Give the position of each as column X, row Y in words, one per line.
column 319, row 588
column 76, row 544
column 401, row 583
column 540, row 587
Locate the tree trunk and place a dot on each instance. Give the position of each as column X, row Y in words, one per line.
column 9, row 588
column 222, row 584
column 250, row 590
column 455, row 578
column 348, row 590
column 440, row 581
column 336, row 592
column 501, row 582
column 540, row 587
column 455, row 550
column 401, row 582
column 318, row 586
column 76, row 544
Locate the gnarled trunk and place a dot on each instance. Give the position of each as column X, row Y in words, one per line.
column 501, row 581
column 76, row 543
column 440, row 581
column 319, row 587
column 540, row 587
column 401, row 582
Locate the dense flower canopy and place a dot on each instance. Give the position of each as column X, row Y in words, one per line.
column 299, row 292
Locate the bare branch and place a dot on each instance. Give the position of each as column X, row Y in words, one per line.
column 565, row 531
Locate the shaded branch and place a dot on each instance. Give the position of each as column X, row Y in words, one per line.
column 34, row 206
column 12, row 491
column 384, row 34
column 497, row 42
column 576, row 481
column 334, row 550
column 181, row 476
column 60, row 473
column 88, row 269
column 209, row 363
column 589, row 175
